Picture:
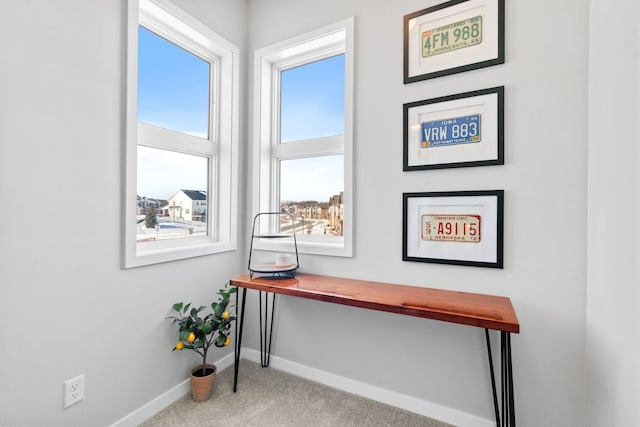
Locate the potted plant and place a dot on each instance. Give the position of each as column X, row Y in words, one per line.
column 197, row 331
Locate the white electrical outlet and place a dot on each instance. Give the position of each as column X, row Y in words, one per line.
column 73, row 390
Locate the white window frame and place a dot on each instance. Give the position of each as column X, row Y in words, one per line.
column 221, row 148
column 269, row 61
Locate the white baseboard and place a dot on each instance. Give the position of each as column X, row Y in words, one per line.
column 409, row 403
column 399, row 400
column 165, row 399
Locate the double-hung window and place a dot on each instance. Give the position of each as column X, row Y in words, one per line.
column 182, row 136
column 303, row 139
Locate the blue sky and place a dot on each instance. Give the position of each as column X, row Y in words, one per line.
column 312, row 100
column 312, row 106
column 315, row 178
column 173, row 93
column 173, row 86
column 162, row 173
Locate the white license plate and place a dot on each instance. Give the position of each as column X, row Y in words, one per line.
column 451, row 228
column 450, row 37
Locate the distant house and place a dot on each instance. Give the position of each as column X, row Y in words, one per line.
column 336, row 212
column 187, row 205
column 143, row 203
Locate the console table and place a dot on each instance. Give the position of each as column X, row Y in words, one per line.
column 483, row 311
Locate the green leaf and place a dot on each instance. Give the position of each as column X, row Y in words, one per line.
column 177, row 306
column 207, row 328
column 220, row 341
column 220, row 308
column 183, row 335
column 186, row 307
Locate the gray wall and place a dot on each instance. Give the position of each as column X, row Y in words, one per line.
column 67, row 307
column 613, row 299
column 544, row 178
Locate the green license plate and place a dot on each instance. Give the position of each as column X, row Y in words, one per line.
column 450, row 37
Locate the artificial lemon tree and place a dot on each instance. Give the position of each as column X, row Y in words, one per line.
column 197, row 331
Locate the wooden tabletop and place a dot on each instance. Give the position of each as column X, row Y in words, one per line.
column 483, row 311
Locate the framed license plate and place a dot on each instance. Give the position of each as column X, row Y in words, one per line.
column 453, row 37
column 456, row 130
column 451, row 228
column 450, row 37
column 466, row 129
column 459, row 228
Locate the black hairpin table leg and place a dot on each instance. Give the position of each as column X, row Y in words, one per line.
column 507, row 375
column 236, row 366
column 507, row 394
column 266, row 327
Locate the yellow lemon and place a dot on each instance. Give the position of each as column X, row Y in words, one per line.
column 225, row 315
column 180, row 346
column 191, row 337
column 228, row 341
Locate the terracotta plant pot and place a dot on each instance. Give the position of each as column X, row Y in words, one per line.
column 202, row 385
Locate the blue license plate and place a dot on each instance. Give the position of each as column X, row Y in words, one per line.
column 454, row 131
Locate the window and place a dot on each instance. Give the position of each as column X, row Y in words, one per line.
column 303, row 138
column 182, row 127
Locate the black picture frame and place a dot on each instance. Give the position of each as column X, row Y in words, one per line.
column 457, row 57
column 486, row 106
column 425, row 215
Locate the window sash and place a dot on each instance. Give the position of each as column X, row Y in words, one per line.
column 166, row 139
column 221, row 148
column 269, row 62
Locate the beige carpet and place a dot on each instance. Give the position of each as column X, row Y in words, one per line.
column 267, row 397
